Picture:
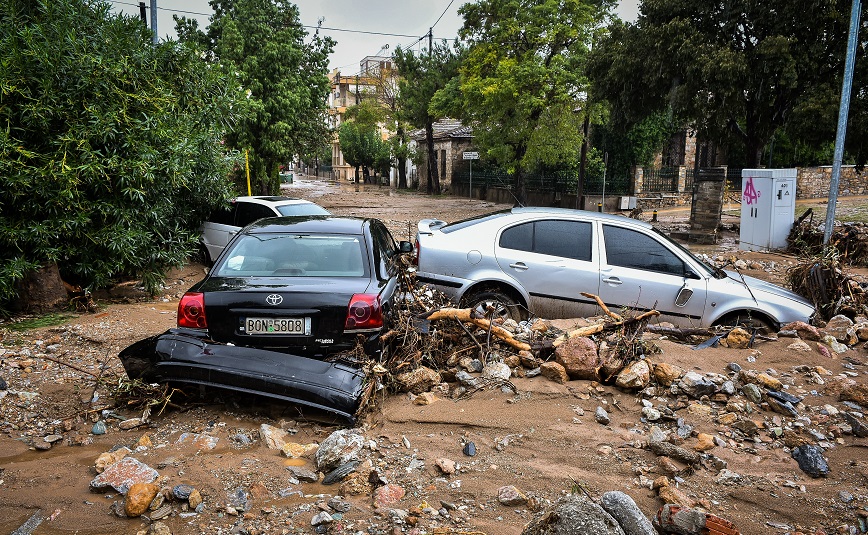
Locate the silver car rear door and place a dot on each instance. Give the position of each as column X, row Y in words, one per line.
column 554, row 260
column 640, row 272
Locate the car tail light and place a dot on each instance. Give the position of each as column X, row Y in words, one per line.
column 418, row 252
column 364, row 312
column 191, row 311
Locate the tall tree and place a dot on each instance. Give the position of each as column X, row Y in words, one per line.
column 421, row 77
column 735, row 68
column 523, row 78
column 361, row 141
column 110, row 150
column 283, row 69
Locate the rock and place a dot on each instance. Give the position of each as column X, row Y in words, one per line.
column 651, row 414
column 834, row 344
column 554, row 372
column 738, row 338
column 856, row 393
column 841, row 328
column 672, row 518
column 696, row 385
column 182, row 492
column 806, row 332
column 419, row 380
column 728, row 418
column 857, row 426
column 625, row 511
column 704, row 442
column 446, row 466
column 728, row 477
column 672, row 494
column 339, row 473
column 338, row 505
column 387, row 495
column 339, row 448
column 194, row 499
column 158, row 528
column 752, row 393
column 469, row 449
column 321, row 518
column 425, row 398
column 98, row 428
column 811, row 460
column 497, row 371
column 635, row 376
column 123, row 474
column 573, row 514
column 510, row 496
column 303, row 474
column 161, row 512
column 579, row 357
column 666, row 374
column 132, row 423
column 273, row 437
column 748, row 427
column 601, row 416
column 294, row 450
column 799, row 345
column 139, row 498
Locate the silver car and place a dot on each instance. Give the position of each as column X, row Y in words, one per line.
column 225, row 223
column 540, row 260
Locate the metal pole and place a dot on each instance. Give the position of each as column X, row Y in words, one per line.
column 605, row 168
column 843, row 111
column 154, row 37
column 471, row 180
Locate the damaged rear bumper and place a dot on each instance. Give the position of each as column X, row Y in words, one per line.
column 178, row 356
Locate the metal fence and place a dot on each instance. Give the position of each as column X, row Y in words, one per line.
column 563, row 182
column 662, row 180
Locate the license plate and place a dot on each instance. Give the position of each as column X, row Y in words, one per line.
column 277, row 326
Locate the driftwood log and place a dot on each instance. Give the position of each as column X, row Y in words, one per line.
column 467, row 315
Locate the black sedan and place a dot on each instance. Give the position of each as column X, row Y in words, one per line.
column 286, row 293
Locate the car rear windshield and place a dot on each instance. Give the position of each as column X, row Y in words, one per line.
column 302, row 209
column 294, row 255
column 458, row 225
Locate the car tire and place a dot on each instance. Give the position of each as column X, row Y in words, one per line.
column 746, row 321
column 505, row 307
column 203, row 256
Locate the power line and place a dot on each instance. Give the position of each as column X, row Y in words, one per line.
column 441, row 14
column 346, row 30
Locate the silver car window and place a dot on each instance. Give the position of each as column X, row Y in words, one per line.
column 565, row 239
column 632, row 249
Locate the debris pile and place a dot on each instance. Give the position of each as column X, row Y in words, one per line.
column 850, row 240
column 831, row 290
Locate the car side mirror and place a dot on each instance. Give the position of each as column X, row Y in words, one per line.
column 684, row 295
column 405, row 247
column 690, row 274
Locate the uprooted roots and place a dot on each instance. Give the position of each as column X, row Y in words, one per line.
column 822, row 280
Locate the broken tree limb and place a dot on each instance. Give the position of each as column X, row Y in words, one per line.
column 681, row 334
column 603, row 306
column 581, row 331
column 466, row 315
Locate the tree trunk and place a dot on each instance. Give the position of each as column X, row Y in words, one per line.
column 433, row 180
column 520, row 186
column 402, row 161
column 41, row 291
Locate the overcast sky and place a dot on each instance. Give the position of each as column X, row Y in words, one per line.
column 361, row 28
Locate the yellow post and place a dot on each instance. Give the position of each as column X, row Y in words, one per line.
column 247, row 166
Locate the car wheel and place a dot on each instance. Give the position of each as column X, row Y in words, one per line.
column 746, row 321
column 203, row 256
column 504, row 306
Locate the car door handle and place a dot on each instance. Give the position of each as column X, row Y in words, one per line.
column 519, row 266
column 612, row 280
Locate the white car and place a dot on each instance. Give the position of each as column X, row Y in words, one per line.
column 539, row 261
column 222, row 225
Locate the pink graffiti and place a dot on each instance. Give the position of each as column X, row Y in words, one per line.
column 751, row 195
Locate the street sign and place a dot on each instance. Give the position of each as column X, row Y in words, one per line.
column 471, row 155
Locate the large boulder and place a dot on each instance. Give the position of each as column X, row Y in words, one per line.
column 338, row 449
column 579, row 358
column 574, row 514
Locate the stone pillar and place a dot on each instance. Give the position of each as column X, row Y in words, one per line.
column 707, row 205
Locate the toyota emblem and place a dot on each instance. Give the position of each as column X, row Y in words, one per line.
column 274, row 299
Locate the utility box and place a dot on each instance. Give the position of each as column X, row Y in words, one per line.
column 768, row 208
column 627, row 203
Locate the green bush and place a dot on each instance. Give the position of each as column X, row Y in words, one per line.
column 110, row 147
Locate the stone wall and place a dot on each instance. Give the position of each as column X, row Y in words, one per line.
column 813, row 182
column 454, row 149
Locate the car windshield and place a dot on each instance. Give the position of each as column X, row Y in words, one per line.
column 294, row 255
column 302, row 209
column 709, row 269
